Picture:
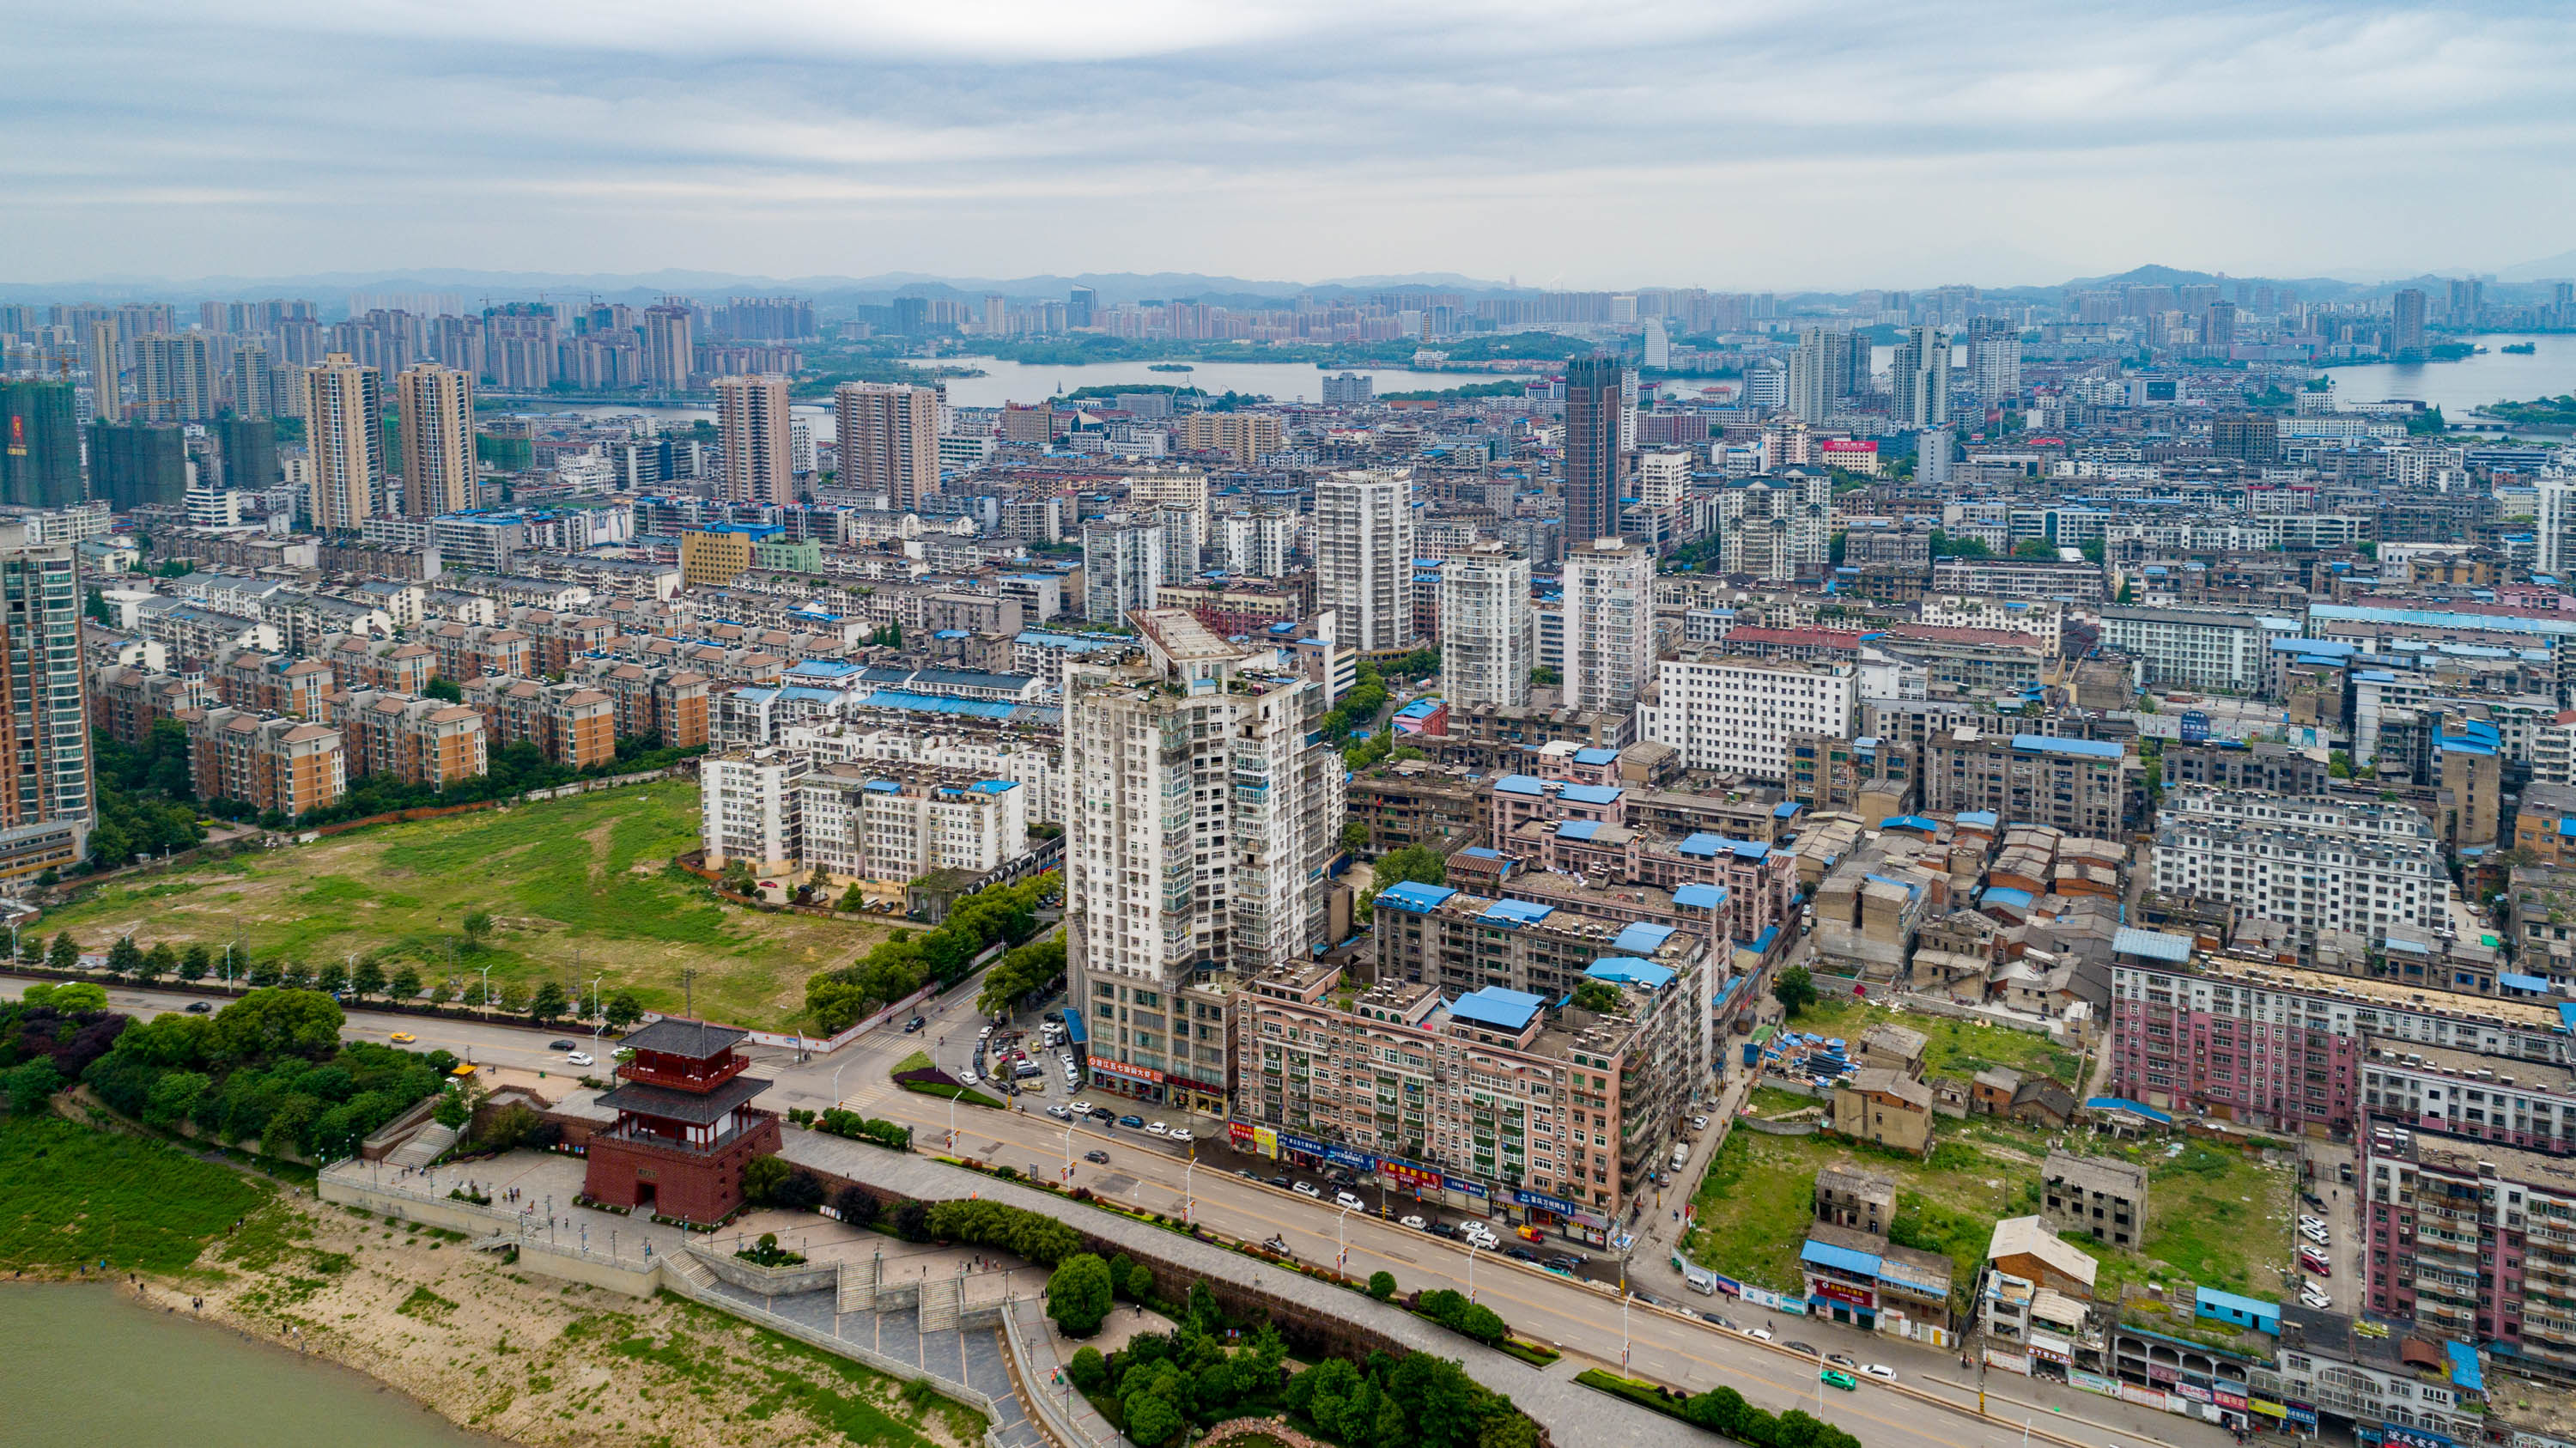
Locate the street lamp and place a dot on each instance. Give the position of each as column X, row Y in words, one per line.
column 487, row 992
column 1471, row 1274
column 598, row 1017
column 1068, row 1153
column 1623, row 1326
column 1189, row 1201
column 1341, row 1239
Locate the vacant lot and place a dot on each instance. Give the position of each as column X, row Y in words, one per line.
column 1952, row 1047
column 2213, row 1218
column 574, row 887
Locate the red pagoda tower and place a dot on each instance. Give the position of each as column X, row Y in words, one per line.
column 685, row 1124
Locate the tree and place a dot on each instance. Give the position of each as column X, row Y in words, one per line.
column 1152, row 1420
column 1139, row 1282
column 453, row 1110
column 1795, row 990
column 368, row 979
column 405, row 984
column 1381, row 1285
column 161, row 960
column 478, row 929
column 70, row 997
column 761, row 1178
column 1355, row 836
column 31, row 948
column 856, row 1206
column 333, row 978
column 2034, row 548
column 198, row 963
column 1418, row 863
column 1547, row 677
column 1597, row 996
column 278, row 1022
column 2094, row 550
column 549, row 1002
column 124, row 957
column 175, row 1096
column 1078, row 1294
column 447, row 689
column 30, row 1084
column 624, row 1010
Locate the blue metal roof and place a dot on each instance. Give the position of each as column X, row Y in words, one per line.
column 1419, row 709
column 1520, row 784
column 1596, row 756
column 882, row 786
column 1910, row 822
column 1702, row 844
column 2123, row 1103
column 2253, row 1307
column 1699, row 897
column 1578, row 829
column 1590, row 793
column 1844, row 1259
column 2465, row 1373
column 1786, row 809
column 1642, row 938
column 1481, row 852
column 1495, row 1006
column 1517, row 912
column 2153, row 944
column 1073, row 1028
column 2511, row 981
column 1628, row 969
column 2006, row 895
column 1414, row 895
column 1977, row 819
column 2052, row 744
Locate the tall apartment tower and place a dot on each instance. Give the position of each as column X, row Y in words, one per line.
column 344, row 404
column 889, row 441
column 1819, row 373
column 759, row 448
column 670, row 353
column 106, row 369
column 1920, row 372
column 1122, row 565
column 1079, row 304
column 255, row 383
column 437, row 407
column 179, row 379
column 1609, row 588
column 1364, row 556
column 2408, row 310
column 1994, row 359
column 1596, row 392
column 46, row 805
column 1167, row 880
column 40, row 444
column 1488, row 642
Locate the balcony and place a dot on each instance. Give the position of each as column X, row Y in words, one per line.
column 648, row 1071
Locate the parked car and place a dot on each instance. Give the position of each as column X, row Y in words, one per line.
column 1097, row 1158
column 579, row 1058
column 1156, row 1128
column 1182, row 1136
column 1808, row 1348
column 1881, row 1371
column 1519, row 1253
column 1415, row 1223
column 1348, row 1202
column 1569, row 1261
column 1448, row 1230
column 2316, row 1301
column 1082, row 1108
column 1281, row 1181
column 1250, row 1176
column 968, row 1076
column 2312, row 1199
column 1058, row 1112
column 1052, row 1016
column 2318, row 1265
column 1699, row 1123
column 1306, row 1189
column 1131, row 1122
column 1481, row 1235
column 984, row 1034
column 1840, row 1360
column 1763, row 1333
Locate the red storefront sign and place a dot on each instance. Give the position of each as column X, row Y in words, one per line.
column 1848, row 1296
column 1239, row 1133
column 1412, row 1176
column 1133, row 1073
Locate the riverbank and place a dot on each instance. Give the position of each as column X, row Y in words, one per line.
column 487, row 1347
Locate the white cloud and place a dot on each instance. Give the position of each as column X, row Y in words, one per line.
column 1742, row 144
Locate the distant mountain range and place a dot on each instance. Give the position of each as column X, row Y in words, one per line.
column 477, row 287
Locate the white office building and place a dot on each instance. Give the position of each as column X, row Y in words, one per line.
column 2197, row 648
column 748, row 805
column 1734, row 714
column 2312, row 864
column 1122, row 565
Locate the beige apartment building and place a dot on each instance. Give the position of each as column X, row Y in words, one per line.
column 437, row 409
column 286, row 766
column 344, row 443
column 759, row 446
column 889, row 441
column 416, row 740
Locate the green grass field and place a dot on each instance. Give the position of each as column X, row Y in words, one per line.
column 2214, row 1218
column 574, row 887
column 1952, row 1047
column 70, row 1196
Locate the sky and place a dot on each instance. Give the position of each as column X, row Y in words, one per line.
column 1736, row 144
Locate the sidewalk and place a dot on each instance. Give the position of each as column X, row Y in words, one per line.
column 1046, row 1373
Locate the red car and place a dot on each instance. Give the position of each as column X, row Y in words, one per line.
column 2316, row 1264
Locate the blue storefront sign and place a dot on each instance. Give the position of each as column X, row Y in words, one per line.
column 1356, row 1160
column 1306, row 1144
column 2302, row 1414
column 1461, row 1184
column 1546, row 1203
column 2398, row 1437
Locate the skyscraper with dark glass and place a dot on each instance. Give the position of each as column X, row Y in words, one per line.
column 40, row 455
column 1595, row 392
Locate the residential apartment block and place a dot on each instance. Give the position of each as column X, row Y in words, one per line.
column 1737, row 715
column 2315, row 865
column 277, row 766
column 415, row 740
column 2082, row 786
column 862, row 822
column 2197, row 648
column 571, row 724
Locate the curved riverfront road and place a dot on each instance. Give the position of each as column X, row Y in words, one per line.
column 1936, row 1405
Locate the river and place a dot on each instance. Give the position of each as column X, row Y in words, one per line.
column 87, row 1367
column 2459, row 388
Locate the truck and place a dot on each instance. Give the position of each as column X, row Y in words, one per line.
column 1681, row 1155
column 1700, row 1279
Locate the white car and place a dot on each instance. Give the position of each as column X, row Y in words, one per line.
column 1699, row 1123
column 2319, row 1223
column 1304, row 1189
column 1880, row 1371
column 580, row 1058
column 1082, row 1108
column 984, row 1034
column 1181, row 1136
column 2316, row 1235
column 1156, row 1128
column 2316, row 1301
column 1482, row 1236
column 1416, row 1223
column 1348, row 1201
column 968, row 1076
column 1059, row 1113
column 1763, row 1333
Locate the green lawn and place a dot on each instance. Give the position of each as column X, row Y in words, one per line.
column 1951, row 1047
column 574, row 886
column 70, row 1196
